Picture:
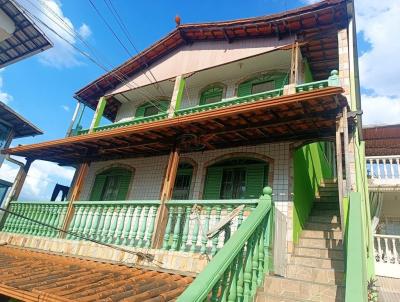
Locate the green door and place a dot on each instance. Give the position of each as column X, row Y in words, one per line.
column 112, row 184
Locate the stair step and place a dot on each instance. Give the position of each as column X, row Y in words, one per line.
column 330, row 191
column 327, row 199
column 325, row 212
column 322, row 205
column 319, row 253
column 266, row 297
column 314, row 274
column 318, row 262
column 334, row 244
column 318, row 226
column 321, row 234
column 329, row 182
column 288, row 288
column 324, row 218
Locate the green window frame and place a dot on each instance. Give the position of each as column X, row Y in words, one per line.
column 236, row 179
column 211, row 95
column 149, row 109
column 276, row 80
column 183, row 182
column 111, row 184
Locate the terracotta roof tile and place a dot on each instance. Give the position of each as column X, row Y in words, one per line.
column 34, row 276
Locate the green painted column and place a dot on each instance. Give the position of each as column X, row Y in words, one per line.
column 101, row 105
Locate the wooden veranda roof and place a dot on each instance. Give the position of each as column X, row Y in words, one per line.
column 382, row 140
column 315, row 25
column 299, row 116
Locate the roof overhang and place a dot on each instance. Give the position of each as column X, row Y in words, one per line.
column 315, row 24
column 307, row 115
column 21, row 40
column 382, row 140
column 21, row 126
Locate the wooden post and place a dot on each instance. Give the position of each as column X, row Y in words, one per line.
column 98, row 114
column 339, row 163
column 166, row 194
column 76, row 191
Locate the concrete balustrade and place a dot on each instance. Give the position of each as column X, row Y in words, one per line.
column 383, row 169
column 387, row 255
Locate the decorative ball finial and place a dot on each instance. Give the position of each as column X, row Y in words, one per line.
column 177, row 20
column 267, row 191
column 334, row 72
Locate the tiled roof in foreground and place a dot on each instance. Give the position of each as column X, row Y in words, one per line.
column 34, row 276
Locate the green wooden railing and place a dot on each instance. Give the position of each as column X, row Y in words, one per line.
column 126, row 222
column 238, row 269
column 190, row 220
column 135, row 121
column 51, row 213
column 356, row 250
column 230, row 102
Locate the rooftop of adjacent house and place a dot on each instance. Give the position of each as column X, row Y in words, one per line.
column 315, row 25
column 382, row 140
column 21, row 126
column 37, row 276
column 19, row 36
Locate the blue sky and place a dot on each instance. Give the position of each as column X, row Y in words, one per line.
column 41, row 87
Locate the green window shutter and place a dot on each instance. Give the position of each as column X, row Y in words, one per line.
column 140, row 110
column 212, row 186
column 255, row 180
column 124, row 182
column 98, row 187
column 244, row 88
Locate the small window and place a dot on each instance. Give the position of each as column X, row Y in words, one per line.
column 261, row 87
column 211, row 95
column 151, row 110
column 111, row 188
column 233, row 183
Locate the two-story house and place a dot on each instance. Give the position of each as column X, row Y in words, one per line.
column 232, row 157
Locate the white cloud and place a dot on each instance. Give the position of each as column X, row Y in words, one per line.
column 62, row 54
column 380, row 110
column 5, row 97
column 311, row 1
column 84, row 31
column 41, row 178
column 65, row 107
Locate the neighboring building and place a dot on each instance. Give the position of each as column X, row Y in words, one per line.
column 382, row 149
column 202, row 123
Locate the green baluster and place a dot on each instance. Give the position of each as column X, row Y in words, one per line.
column 52, row 221
column 32, row 225
column 82, row 223
column 107, row 223
column 46, row 219
column 204, row 239
column 7, row 222
column 102, row 217
column 113, row 225
column 177, row 229
column 61, row 217
column 232, row 292
column 21, row 221
column 254, row 278
column 195, row 236
column 261, row 255
column 143, row 226
column 215, row 291
column 40, row 218
column 89, row 220
column 150, row 229
column 121, row 224
column 268, row 238
column 95, row 222
column 240, row 218
column 224, row 284
column 167, row 234
column 185, row 234
column 128, row 224
column 240, row 280
column 74, row 226
column 248, row 271
column 135, row 224
column 13, row 219
column 228, row 228
column 215, row 240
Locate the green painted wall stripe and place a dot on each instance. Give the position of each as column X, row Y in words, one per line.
column 99, row 112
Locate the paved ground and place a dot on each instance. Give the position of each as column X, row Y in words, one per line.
column 389, row 289
column 35, row 276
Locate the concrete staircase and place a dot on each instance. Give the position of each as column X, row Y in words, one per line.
column 316, row 269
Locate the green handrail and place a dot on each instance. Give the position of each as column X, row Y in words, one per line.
column 356, row 251
column 238, row 268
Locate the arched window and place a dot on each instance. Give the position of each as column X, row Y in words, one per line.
column 212, row 94
column 149, row 109
column 262, row 83
column 183, row 181
column 236, row 178
column 111, row 184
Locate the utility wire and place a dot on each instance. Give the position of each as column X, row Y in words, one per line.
column 146, row 256
column 121, row 77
